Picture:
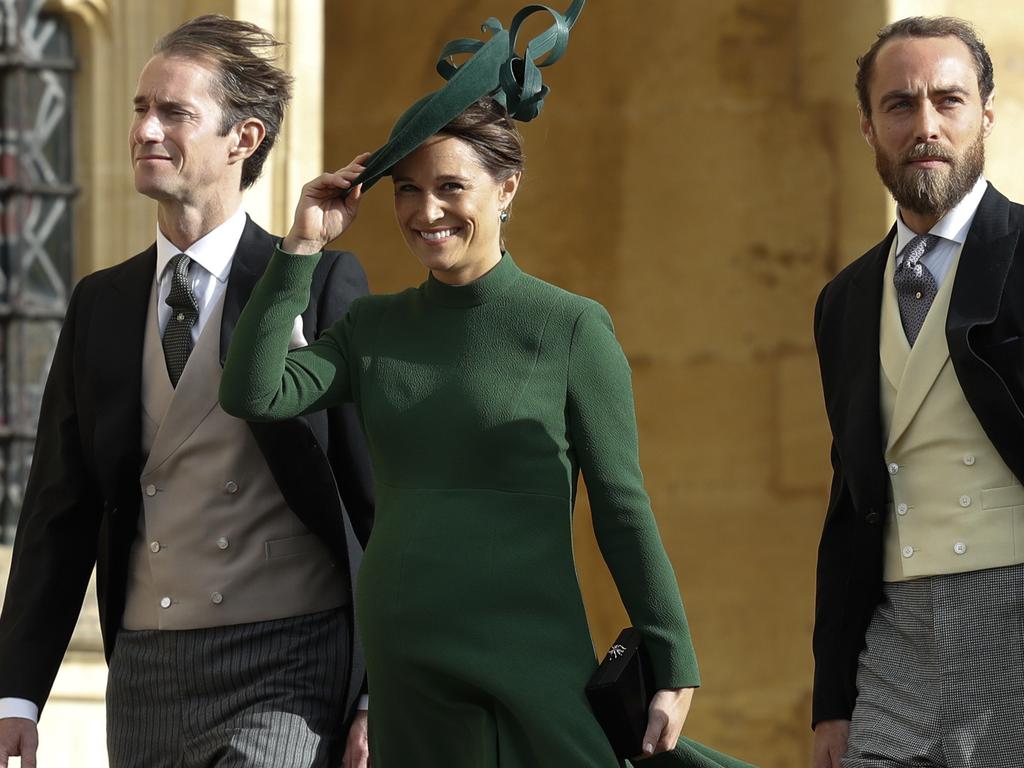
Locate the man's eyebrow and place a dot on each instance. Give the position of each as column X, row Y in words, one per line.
column 163, row 103
column 942, row 90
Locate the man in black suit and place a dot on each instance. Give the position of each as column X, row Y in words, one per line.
column 918, row 638
column 225, row 551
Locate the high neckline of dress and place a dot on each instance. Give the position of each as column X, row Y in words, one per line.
column 482, row 290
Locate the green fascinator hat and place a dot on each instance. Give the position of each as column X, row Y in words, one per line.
column 494, row 69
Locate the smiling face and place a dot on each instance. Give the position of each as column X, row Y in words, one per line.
column 177, row 153
column 927, row 125
column 448, row 207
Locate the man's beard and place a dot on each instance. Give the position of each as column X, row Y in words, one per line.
column 931, row 192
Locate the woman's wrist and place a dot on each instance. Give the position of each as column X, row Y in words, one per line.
column 299, row 246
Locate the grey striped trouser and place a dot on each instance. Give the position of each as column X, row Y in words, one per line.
column 252, row 695
column 941, row 679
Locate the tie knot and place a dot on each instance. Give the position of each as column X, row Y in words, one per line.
column 915, row 250
column 179, row 264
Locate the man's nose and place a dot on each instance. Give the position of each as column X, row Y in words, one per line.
column 147, row 129
column 927, row 126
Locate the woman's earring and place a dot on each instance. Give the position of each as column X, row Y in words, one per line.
column 503, row 216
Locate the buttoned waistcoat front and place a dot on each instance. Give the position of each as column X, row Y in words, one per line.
column 217, row 544
column 956, row 506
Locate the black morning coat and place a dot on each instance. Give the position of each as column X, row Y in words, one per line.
column 83, row 497
column 983, row 330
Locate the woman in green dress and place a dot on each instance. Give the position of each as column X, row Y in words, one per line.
column 483, row 393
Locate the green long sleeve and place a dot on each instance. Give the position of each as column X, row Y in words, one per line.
column 603, row 433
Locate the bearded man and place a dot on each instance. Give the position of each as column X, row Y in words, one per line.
column 919, row 635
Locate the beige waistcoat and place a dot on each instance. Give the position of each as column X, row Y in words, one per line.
column 217, row 543
column 956, row 506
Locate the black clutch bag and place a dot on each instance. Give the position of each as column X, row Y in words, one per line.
column 620, row 692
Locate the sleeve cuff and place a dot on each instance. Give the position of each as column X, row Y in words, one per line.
column 12, row 707
column 364, row 703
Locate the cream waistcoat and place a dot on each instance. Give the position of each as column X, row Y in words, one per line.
column 956, row 506
column 217, row 543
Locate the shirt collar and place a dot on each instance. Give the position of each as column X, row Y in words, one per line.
column 213, row 251
column 954, row 225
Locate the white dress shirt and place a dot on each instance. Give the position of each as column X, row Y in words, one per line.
column 208, row 273
column 952, row 231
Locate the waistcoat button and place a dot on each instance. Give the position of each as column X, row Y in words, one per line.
column 231, row 486
column 908, row 551
column 894, row 468
column 969, row 460
column 965, row 501
column 959, row 547
column 222, row 542
column 151, row 490
column 901, row 509
column 154, row 546
column 216, row 598
column 165, row 602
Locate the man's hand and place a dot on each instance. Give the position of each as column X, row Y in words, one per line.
column 18, row 736
column 665, row 718
column 357, row 747
column 830, row 743
column 322, row 214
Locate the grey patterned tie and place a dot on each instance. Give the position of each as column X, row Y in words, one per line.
column 915, row 285
column 184, row 314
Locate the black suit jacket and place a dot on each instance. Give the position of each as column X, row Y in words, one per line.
column 83, row 496
column 983, row 330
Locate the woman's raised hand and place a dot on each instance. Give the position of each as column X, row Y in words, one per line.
column 665, row 718
column 322, row 214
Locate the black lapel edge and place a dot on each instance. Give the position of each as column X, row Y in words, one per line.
column 861, row 420
column 250, row 260
column 121, row 324
column 985, row 263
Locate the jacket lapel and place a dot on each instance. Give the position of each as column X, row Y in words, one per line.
column 251, row 258
column 858, row 357
column 118, row 329
column 981, row 276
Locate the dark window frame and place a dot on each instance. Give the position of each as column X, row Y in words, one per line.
column 37, row 67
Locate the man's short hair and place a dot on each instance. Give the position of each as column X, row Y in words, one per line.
column 247, row 83
column 921, row 26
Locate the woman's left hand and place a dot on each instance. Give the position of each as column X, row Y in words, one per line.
column 665, row 719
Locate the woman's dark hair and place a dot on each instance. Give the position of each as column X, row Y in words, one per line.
column 486, row 126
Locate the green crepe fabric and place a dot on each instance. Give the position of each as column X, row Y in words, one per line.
column 481, row 404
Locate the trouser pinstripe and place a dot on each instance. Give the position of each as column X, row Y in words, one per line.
column 247, row 696
column 941, row 678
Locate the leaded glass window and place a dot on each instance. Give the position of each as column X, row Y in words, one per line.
column 36, row 238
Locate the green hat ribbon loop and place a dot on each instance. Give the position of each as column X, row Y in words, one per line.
column 493, row 69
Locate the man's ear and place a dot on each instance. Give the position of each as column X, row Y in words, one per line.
column 248, row 134
column 867, row 129
column 988, row 115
